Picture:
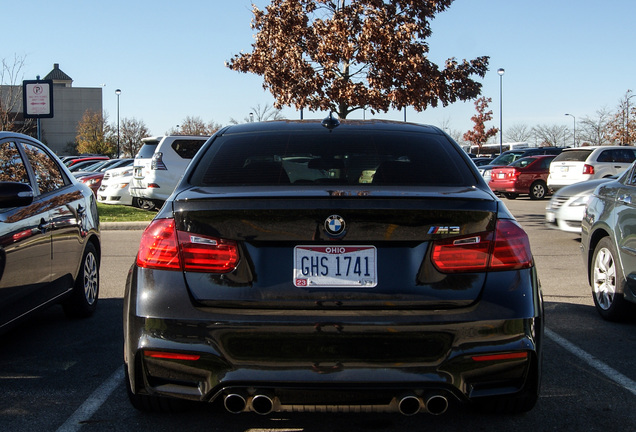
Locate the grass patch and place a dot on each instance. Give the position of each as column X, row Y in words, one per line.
column 122, row 213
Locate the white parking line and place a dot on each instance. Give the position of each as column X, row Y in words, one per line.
column 93, row 403
column 592, row 361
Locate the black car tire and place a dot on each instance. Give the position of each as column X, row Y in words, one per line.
column 608, row 283
column 148, row 403
column 510, row 195
column 145, row 204
column 538, row 190
column 83, row 299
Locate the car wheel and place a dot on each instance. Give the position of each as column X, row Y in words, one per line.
column 608, row 283
column 538, row 190
column 144, row 204
column 510, row 195
column 83, row 299
column 149, row 403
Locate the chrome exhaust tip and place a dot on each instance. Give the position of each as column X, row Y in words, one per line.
column 262, row 404
column 436, row 404
column 234, row 403
column 409, row 405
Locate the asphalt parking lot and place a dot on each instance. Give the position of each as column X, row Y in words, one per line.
column 61, row 375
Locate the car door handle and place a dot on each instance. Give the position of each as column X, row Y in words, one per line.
column 627, row 199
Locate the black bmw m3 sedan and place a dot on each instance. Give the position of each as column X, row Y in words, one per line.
column 354, row 266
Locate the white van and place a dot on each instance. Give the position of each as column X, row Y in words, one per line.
column 159, row 165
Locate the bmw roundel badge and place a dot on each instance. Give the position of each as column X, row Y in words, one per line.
column 334, row 225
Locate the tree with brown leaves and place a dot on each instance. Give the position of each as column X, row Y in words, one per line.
column 478, row 135
column 341, row 56
column 93, row 134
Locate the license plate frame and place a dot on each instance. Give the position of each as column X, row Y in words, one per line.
column 350, row 266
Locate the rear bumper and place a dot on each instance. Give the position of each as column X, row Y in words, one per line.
column 314, row 353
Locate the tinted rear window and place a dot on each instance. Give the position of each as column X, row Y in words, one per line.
column 187, row 148
column 573, row 156
column 616, row 155
column 146, row 151
column 344, row 158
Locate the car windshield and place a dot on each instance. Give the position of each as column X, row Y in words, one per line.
column 505, row 158
column 523, row 162
column 344, row 158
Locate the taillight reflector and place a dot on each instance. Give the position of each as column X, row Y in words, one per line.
column 163, row 247
column 499, row 357
column 171, row 355
column 508, row 250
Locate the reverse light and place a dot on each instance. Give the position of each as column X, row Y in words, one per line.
column 508, row 248
column 163, row 247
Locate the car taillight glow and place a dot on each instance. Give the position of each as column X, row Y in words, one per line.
column 588, row 169
column 508, row 248
column 165, row 248
column 171, row 355
column 500, row 357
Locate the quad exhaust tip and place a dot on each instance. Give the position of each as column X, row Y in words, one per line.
column 408, row 405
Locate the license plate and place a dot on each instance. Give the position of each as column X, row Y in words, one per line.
column 501, row 175
column 565, row 169
column 550, row 217
column 335, row 266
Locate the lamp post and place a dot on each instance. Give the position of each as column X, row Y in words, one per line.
column 501, row 71
column 118, row 92
column 574, row 127
column 627, row 99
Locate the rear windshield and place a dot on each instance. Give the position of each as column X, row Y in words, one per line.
column 573, row 156
column 187, row 148
column 146, row 151
column 344, row 158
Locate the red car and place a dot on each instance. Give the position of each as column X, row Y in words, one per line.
column 527, row 175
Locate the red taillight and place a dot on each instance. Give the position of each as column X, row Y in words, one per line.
column 158, row 247
column 588, row 169
column 508, row 250
column 462, row 255
column 171, row 355
column 163, row 247
column 207, row 254
column 511, row 249
column 500, row 357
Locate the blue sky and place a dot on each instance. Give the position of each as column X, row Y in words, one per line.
column 168, row 57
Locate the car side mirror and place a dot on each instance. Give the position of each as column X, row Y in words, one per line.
column 15, row 194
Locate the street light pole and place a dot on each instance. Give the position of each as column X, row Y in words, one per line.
column 118, row 92
column 574, row 127
column 501, row 71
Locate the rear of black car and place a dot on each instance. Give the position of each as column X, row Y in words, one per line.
column 365, row 267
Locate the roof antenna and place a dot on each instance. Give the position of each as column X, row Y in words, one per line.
column 330, row 122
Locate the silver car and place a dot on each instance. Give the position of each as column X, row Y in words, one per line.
column 567, row 206
column 608, row 243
